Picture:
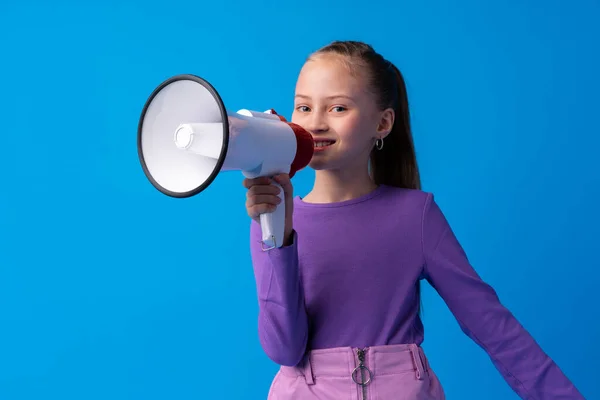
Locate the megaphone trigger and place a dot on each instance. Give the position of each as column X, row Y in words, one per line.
column 186, row 137
column 273, row 224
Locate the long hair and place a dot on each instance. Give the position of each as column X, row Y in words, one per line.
column 395, row 164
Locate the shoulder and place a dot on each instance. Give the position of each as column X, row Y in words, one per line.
column 413, row 199
column 419, row 204
column 421, row 212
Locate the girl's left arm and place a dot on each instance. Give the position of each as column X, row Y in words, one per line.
column 523, row 364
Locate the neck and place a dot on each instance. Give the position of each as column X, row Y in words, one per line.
column 332, row 186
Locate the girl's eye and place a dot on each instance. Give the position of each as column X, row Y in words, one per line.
column 303, row 109
column 339, row 109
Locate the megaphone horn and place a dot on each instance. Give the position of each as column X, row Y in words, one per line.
column 186, row 137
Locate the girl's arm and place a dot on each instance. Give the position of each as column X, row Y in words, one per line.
column 282, row 319
column 523, row 364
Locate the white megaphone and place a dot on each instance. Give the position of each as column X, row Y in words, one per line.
column 186, row 137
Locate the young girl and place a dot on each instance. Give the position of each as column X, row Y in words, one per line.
column 339, row 302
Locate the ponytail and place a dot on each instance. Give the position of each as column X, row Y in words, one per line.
column 395, row 164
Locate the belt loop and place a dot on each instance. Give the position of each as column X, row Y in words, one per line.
column 416, row 356
column 424, row 360
column 308, row 373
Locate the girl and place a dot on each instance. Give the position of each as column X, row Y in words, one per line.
column 339, row 302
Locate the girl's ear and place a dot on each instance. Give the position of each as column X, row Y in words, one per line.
column 386, row 122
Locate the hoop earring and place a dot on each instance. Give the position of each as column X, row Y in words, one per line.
column 379, row 144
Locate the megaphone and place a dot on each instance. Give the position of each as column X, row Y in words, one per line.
column 186, row 137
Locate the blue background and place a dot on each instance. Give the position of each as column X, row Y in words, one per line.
column 110, row 290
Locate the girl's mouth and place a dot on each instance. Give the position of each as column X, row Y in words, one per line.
column 321, row 145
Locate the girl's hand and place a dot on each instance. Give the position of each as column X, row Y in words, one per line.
column 263, row 197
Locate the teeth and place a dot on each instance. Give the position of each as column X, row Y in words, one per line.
column 322, row 144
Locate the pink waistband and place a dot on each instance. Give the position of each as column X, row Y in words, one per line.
column 343, row 361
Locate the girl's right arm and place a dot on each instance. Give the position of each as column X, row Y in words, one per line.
column 282, row 319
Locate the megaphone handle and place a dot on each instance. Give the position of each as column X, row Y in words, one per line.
column 273, row 224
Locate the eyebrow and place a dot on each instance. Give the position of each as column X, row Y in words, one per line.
column 336, row 96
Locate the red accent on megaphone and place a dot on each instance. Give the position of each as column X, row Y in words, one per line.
column 281, row 117
column 304, row 150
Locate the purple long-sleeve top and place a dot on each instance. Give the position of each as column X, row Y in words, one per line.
column 350, row 279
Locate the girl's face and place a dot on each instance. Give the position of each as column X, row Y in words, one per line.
column 341, row 114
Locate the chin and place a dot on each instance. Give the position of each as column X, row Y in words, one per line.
column 318, row 165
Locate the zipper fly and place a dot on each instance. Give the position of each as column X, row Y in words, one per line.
column 365, row 372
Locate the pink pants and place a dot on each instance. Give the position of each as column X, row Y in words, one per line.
column 394, row 372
